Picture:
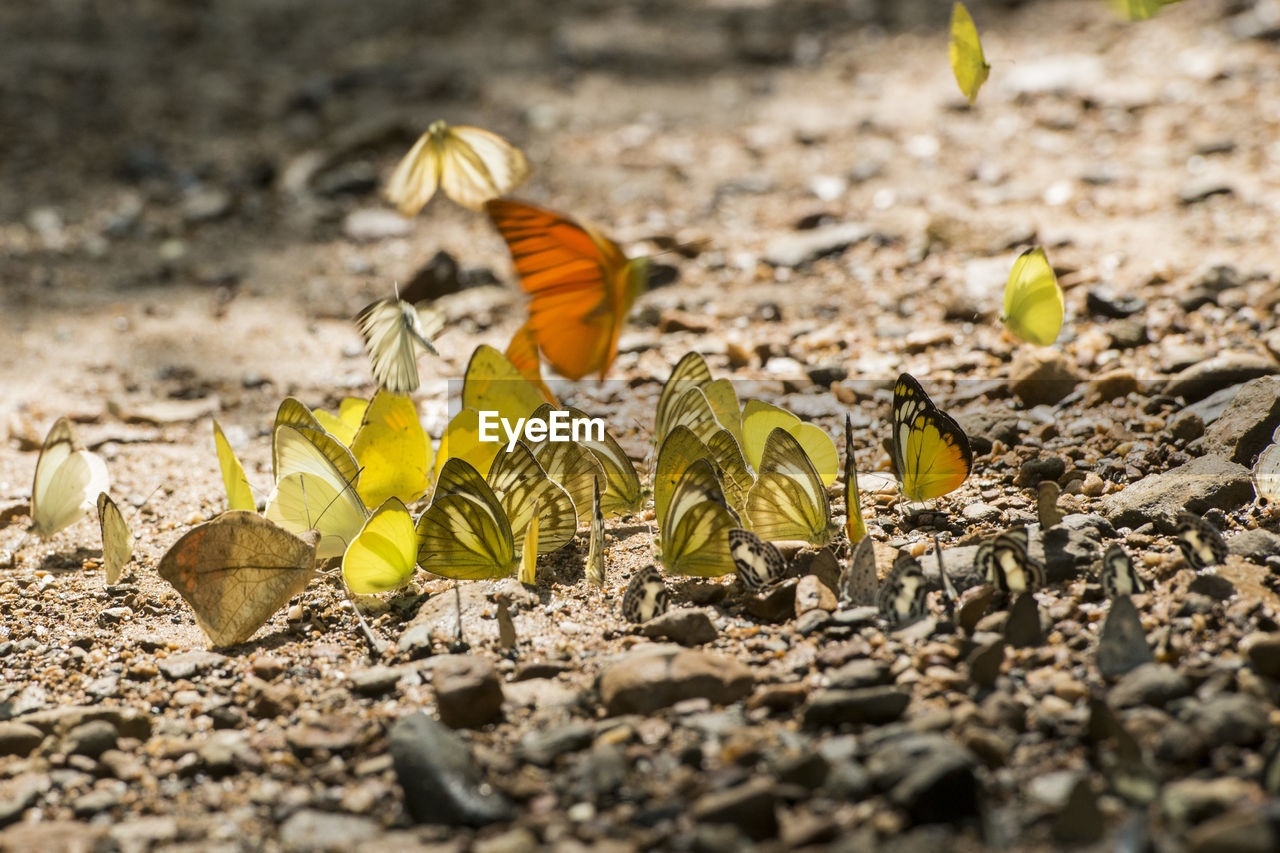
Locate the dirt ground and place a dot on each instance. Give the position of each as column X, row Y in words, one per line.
column 189, row 221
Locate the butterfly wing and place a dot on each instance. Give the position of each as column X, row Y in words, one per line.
column 930, row 451
column 1033, row 301
column 691, row 371
column 314, row 492
column 416, row 176
column 1200, row 542
column 788, row 500
column 859, row 582
column 392, row 451
column 393, row 330
column 117, row 540
column 527, row 493
column 694, row 535
column 383, row 555
column 239, row 492
column 580, row 284
column 492, row 383
column 622, row 494
column 679, row 450
column 1266, row 474
column 461, row 439
column 968, row 63
column 901, row 598
column 67, row 481
column 465, row 533
column 855, row 527
column 477, row 165
column 522, row 352
column 595, row 550
column 646, row 596
column 758, row 563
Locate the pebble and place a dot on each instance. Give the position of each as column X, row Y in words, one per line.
column 375, row 680
column 929, row 776
column 813, row 594
column 440, row 779
column 19, row 739
column 1105, row 302
column 206, row 204
column 980, row 513
column 658, row 676
column 1153, row 684
column 1192, row 801
column 187, row 665
column 864, row 672
column 1247, row 424
column 1227, row 718
column 374, row 223
column 1256, row 545
column 1213, row 586
column 868, row 705
column 688, row 626
column 90, row 739
column 1222, row 371
column 1114, row 384
column 1201, row 484
column 1039, row 468
column 778, row 697
column 1186, row 426
column 1125, row 335
column 1263, row 651
column 468, row 691
column 776, row 604
column 542, row 747
column 1251, row 830
column 752, row 808
column 800, row 248
column 310, row 829
column 1042, row 377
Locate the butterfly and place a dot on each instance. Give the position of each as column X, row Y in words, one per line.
column 622, row 494
column 393, row 330
column 646, row 596
column 680, row 449
column 693, row 533
column 759, row 420
column 492, row 383
column 1033, row 301
column 931, row 455
column 344, row 425
column 316, row 489
column 581, row 285
column 788, row 500
column 595, row 551
column 571, row 465
column 522, row 352
column 691, row 371
column 236, row 571
column 67, row 483
column 384, row 554
column 117, row 539
column 1200, row 542
column 859, row 581
column 1266, row 471
column 461, row 440
column 392, row 451
column 527, row 494
column 759, row 563
column 527, row 571
column 854, row 526
column 1007, row 565
column 471, row 165
column 901, row 598
column 464, row 534
column 1119, row 577
column 239, row 492
column 717, row 401
column 1140, row 10
column 967, row 61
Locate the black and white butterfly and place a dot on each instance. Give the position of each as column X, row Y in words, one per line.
column 859, row 582
column 595, row 550
column 759, row 563
column 1200, row 542
column 1007, row 565
column 393, row 330
column 1119, row 577
column 901, row 598
column 646, row 596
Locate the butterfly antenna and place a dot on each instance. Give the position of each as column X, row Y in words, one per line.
column 138, row 509
column 377, row 646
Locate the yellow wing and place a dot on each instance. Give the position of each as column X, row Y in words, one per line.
column 1140, row 10
column 788, row 500
column 493, row 384
column 759, row 419
column 528, row 572
column 967, row 62
column 679, row 450
column 117, row 540
column 465, row 533
column 931, row 455
column 470, row 164
column 461, row 439
column 392, row 450
column 623, row 493
column 383, row 556
column 690, row 372
column 527, row 493
column 239, row 492
column 854, row 526
column 1033, row 302
column 694, row 536
column 314, row 492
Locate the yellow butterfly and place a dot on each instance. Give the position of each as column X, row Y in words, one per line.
column 570, row 464
column 527, row 494
column 392, row 450
column 1033, row 302
column 689, row 372
column 383, row 556
column 528, row 571
column 715, row 406
column 461, row 440
column 67, row 483
column 679, row 450
column 759, row 419
column 471, row 165
column 931, row 455
column 854, row 526
column 465, row 534
column 117, row 539
column 393, row 331
column 343, row 426
column 788, row 500
column 294, row 413
column 623, row 493
column 316, row 489
column 239, row 492
column 694, row 533
column 492, row 383
column 967, row 62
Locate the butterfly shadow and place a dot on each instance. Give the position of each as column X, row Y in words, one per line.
column 64, row 563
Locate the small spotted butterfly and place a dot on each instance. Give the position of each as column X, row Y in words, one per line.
column 901, row 598
column 759, row 563
column 646, row 596
column 1006, row 563
column 1200, row 542
column 859, row 582
column 1118, row 574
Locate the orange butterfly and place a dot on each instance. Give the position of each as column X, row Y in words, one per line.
column 522, row 352
column 580, row 284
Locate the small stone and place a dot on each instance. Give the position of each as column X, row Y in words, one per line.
column 1201, row 189
column 931, row 778
column 980, row 513
column 1228, row 718
column 372, row 224
column 1256, row 546
column 1186, row 426
column 777, row 604
column 658, row 676
column 310, row 829
column 778, row 697
column 813, row 594
column 825, row 374
column 868, row 705
column 812, row 622
column 544, row 747
column 206, row 204
column 440, row 779
column 688, row 626
column 1192, row 801
column 114, row 616
column 375, row 680
column 19, row 739
column 1104, row 302
column 269, row 667
column 1126, row 335
column 974, row 602
column 1246, row 831
column 1039, row 468
column 468, row 691
column 90, row 739
column 1153, row 684
column 798, row 249
column 1112, row 385
column 1042, row 377
column 1213, row 586
column 863, row 672
column 187, row 665
column 675, row 320
column 750, row 807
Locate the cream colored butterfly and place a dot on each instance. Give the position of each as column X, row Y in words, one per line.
column 393, row 331
column 67, row 483
column 471, row 165
column 316, row 489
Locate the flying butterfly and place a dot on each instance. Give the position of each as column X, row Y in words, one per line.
column 931, row 455
column 759, row 563
column 694, row 532
column 393, row 331
column 464, row 534
column 117, row 539
column 522, row 352
column 859, row 581
column 1119, row 577
column 1033, row 301
column 789, row 500
column 581, row 285
column 646, row 596
column 67, row 483
column 1199, row 541
column 471, row 165
column 239, row 492
column 968, row 63
column 595, row 551
column 1007, row 565
column 384, row 554
column 527, row 494
column 854, row 526
column 901, row 598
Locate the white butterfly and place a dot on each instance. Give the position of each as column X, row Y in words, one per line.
column 393, row 330
column 67, row 483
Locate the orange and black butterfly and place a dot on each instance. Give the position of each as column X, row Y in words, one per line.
column 931, row 454
column 580, row 285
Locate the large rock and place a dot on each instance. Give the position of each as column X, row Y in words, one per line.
column 468, row 691
column 1205, row 377
column 688, row 626
column 1248, row 422
column 441, row 782
column 1042, row 377
column 1210, row 482
column 657, row 676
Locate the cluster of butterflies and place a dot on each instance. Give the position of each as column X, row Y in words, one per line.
column 969, row 63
